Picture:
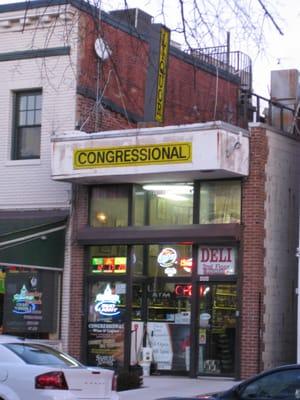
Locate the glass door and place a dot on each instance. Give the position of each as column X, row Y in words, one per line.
column 168, row 325
column 217, row 328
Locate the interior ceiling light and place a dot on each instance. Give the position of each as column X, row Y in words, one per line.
column 101, row 217
column 177, row 189
column 172, row 196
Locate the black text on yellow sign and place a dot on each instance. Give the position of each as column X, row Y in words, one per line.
column 167, row 153
column 162, row 74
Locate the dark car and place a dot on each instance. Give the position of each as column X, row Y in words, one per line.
column 282, row 383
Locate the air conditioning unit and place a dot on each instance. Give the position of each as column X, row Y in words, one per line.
column 285, row 90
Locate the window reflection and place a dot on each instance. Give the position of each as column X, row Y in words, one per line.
column 220, row 202
column 170, row 204
column 109, row 206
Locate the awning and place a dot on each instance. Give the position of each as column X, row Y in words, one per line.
column 33, row 238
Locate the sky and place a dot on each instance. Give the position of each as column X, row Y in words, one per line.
column 278, row 52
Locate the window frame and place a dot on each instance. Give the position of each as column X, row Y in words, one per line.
column 15, row 147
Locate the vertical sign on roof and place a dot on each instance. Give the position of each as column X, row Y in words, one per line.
column 162, row 74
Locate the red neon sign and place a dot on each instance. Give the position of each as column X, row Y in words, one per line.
column 186, row 290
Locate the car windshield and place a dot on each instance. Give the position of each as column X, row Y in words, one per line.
column 42, row 355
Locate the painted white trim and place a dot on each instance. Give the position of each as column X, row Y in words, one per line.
column 30, row 266
column 33, row 236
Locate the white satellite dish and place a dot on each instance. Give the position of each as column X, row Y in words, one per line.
column 101, row 48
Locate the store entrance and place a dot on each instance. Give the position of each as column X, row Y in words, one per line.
column 166, row 320
column 217, row 328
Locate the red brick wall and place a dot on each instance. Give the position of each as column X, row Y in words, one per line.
column 79, row 218
column 122, row 77
column 104, row 120
column 192, row 95
column 252, row 279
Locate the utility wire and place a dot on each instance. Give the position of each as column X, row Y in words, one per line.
column 270, row 16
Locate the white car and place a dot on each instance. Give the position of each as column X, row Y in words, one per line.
column 34, row 371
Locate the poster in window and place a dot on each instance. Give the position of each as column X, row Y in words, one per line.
column 170, row 345
column 105, row 344
column 30, row 302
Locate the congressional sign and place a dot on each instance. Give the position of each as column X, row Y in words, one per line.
column 127, row 156
column 162, row 74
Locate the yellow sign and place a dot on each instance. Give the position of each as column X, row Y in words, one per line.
column 127, row 156
column 162, row 74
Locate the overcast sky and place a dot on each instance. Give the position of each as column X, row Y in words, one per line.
column 280, row 52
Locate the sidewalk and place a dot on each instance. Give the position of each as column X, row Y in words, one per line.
column 155, row 387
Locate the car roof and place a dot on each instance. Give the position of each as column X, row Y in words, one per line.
column 10, row 339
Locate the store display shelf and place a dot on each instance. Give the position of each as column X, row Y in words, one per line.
column 225, row 293
column 224, row 308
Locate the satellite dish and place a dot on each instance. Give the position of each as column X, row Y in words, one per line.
column 101, row 48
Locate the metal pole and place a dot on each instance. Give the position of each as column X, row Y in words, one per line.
column 228, row 49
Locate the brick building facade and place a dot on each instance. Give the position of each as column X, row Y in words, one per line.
column 236, row 175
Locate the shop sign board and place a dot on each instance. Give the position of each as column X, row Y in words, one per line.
column 162, row 74
column 29, row 302
column 106, row 344
column 102, row 157
column 217, row 260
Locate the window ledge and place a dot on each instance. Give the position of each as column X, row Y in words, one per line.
column 14, row 163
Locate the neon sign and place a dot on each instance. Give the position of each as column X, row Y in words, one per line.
column 106, row 303
column 186, row 264
column 111, row 265
column 183, row 290
column 167, row 259
column 186, row 290
column 25, row 301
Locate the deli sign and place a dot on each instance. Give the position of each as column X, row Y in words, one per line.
column 217, row 260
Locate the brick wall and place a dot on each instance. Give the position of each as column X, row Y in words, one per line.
column 121, row 78
column 252, row 274
column 192, row 94
column 269, row 266
column 78, row 219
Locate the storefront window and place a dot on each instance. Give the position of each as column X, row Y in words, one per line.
column 169, row 302
column 169, row 260
column 139, row 206
column 220, row 202
column 138, row 255
column 217, row 328
column 170, row 204
column 108, row 260
column 137, row 301
column 168, row 327
column 106, row 331
column 109, row 206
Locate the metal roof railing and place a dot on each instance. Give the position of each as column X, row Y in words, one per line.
column 233, row 62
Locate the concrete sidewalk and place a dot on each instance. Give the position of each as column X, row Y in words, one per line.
column 155, row 387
